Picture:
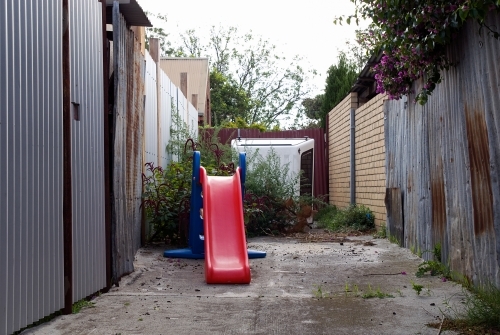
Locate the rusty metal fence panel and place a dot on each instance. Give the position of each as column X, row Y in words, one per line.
column 129, row 127
column 89, row 253
column 445, row 157
column 31, row 240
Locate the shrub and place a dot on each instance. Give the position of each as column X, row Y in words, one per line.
column 353, row 217
column 164, row 192
column 271, row 202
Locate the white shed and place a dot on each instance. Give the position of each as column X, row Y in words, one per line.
column 297, row 152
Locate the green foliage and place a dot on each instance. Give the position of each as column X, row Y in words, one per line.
column 326, row 215
column 482, row 307
column 164, row 192
column 240, row 123
column 434, row 267
column 378, row 293
column 167, row 190
column 339, row 81
column 270, row 193
column 354, row 217
column 79, row 305
column 413, row 45
column 312, row 107
column 382, row 233
column 266, row 176
column 228, row 101
column 318, row 292
column 417, row 287
column 260, row 83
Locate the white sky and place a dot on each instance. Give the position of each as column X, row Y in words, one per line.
column 302, row 28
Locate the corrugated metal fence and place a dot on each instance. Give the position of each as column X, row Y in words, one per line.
column 31, row 239
column 444, row 160
column 320, row 158
column 87, row 132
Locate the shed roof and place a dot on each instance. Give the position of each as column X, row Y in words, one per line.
column 365, row 85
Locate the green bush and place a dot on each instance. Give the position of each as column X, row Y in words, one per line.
column 270, row 204
column 354, row 217
column 326, row 215
column 164, row 192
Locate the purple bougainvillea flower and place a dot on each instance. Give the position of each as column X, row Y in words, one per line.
column 403, row 273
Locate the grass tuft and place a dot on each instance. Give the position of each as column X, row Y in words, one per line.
column 376, row 294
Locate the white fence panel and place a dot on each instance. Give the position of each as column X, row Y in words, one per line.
column 165, row 117
column 150, row 114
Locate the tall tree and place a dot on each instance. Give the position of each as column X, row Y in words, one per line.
column 339, row 81
column 312, row 106
column 274, row 85
column 228, row 100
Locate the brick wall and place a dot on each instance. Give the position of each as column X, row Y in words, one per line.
column 370, row 154
column 338, row 150
column 370, row 157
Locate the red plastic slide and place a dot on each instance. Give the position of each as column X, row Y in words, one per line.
column 226, row 256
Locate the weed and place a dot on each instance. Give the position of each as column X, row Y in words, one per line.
column 376, row 294
column 127, row 303
column 381, row 232
column 79, row 305
column 346, row 288
column 436, row 252
column 435, row 268
column 400, row 293
column 412, row 249
column 394, row 239
column 480, row 313
column 353, row 217
column 318, row 292
column 356, row 290
column 482, row 306
column 417, row 287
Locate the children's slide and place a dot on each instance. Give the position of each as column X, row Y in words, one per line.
column 226, row 256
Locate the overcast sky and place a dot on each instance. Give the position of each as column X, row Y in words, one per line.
column 302, row 28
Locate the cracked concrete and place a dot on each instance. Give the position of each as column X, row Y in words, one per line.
column 299, row 288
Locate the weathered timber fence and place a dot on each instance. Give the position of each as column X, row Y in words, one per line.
column 128, row 147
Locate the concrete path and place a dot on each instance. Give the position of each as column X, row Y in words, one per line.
column 300, row 288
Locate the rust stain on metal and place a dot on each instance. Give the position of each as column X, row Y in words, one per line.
column 479, row 161
column 438, row 200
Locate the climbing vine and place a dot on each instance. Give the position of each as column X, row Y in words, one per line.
column 412, row 36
